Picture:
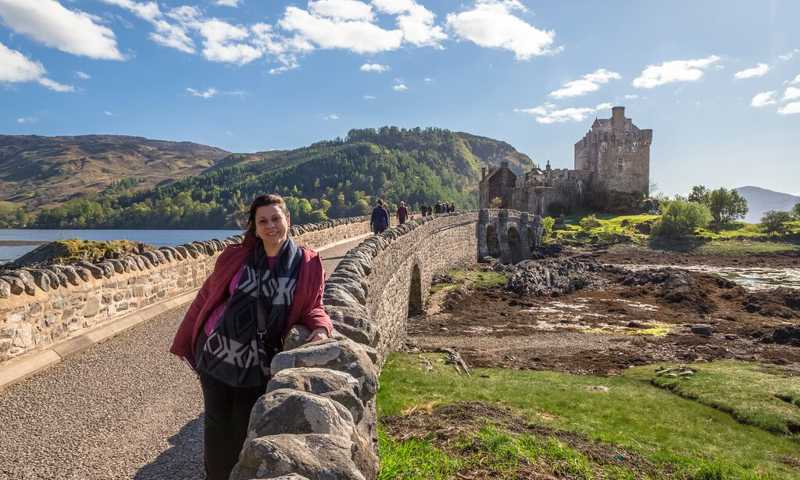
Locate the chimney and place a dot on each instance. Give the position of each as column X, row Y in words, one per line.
column 483, row 173
column 618, row 118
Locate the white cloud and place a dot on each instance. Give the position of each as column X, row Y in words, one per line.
column 26, row 120
column 791, row 93
column 17, row 68
column 49, row 23
column 107, row 113
column 763, row 99
column 796, row 81
column 332, row 116
column 550, row 113
column 588, row 83
column 631, row 97
column 790, row 108
column 491, row 24
column 82, row 75
column 342, row 9
column 227, row 3
column 374, row 67
column 400, row 87
column 358, row 36
column 415, row 21
column 369, row 97
column 758, row 71
column 210, row 93
column 55, row 86
column 225, row 43
column 789, row 55
column 428, row 80
column 166, row 34
column 674, row 71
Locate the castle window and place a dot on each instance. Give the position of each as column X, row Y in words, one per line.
column 620, row 164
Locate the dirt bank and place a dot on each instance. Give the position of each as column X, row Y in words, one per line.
column 634, row 254
column 592, row 318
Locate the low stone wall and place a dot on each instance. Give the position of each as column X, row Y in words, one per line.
column 318, row 419
column 41, row 307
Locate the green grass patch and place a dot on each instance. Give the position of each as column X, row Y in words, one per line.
column 692, row 439
column 413, row 459
column 605, row 229
column 472, row 279
column 749, row 392
column 745, row 247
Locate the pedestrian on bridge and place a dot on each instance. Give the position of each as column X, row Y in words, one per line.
column 379, row 221
column 258, row 290
column 402, row 213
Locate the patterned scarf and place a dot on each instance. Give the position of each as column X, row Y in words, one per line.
column 239, row 350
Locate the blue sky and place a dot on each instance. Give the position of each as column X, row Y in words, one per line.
column 717, row 81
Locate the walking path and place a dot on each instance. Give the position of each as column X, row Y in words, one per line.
column 124, row 408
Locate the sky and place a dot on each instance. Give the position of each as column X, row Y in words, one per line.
column 717, row 81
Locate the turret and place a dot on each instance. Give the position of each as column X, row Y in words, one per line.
column 618, row 119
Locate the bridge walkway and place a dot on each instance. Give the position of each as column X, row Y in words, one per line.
column 122, row 409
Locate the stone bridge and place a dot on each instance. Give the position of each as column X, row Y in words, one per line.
column 321, row 397
column 508, row 235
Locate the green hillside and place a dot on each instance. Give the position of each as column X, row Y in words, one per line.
column 327, row 179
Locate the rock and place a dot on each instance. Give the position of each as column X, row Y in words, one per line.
column 5, row 289
column 786, row 335
column 297, row 336
column 338, row 386
column 702, row 329
column 71, row 273
column 337, row 354
column 95, row 270
column 26, row 279
column 41, row 278
column 84, row 273
column 315, row 456
column 294, row 411
column 14, row 283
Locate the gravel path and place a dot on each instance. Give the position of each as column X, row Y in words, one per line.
column 124, row 408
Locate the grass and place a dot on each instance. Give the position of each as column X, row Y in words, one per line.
column 749, row 392
column 472, row 279
column 414, row 459
column 693, row 439
column 656, row 329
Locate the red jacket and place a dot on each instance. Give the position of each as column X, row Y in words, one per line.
column 306, row 306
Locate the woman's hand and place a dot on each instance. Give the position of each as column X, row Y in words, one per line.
column 320, row 333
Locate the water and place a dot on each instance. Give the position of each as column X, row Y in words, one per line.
column 157, row 238
column 751, row 278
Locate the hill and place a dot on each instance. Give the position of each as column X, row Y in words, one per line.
column 761, row 200
column 42, row 171
column 327, row 179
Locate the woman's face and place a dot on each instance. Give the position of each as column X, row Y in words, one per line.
column 272, row 225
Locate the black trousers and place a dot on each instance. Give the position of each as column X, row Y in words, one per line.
column 227, row 415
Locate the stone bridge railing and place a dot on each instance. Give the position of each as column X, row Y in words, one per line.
column 508, row 235
column 317, row 420
column 41, row 307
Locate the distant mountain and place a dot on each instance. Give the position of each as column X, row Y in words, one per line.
column 41, row 171
column 761, row 200
column 327, row 179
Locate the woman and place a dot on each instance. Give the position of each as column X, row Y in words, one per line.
column 258, row 290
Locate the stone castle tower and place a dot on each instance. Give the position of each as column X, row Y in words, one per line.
column 617, row 153
column 612, row 172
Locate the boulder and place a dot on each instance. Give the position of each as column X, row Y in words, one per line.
column 294, row 411
column 14, row 283
column 337, row 354
column 5, row 289
column 316, row 456
column 338, row 386
column 28, row 283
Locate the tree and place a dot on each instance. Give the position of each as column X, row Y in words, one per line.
column 726, row 206
column 796, row 211
column 774, row 222
column 681, row 218
column 699, row 194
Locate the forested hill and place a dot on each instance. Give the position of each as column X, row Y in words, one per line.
column 42, row 171
column 327, row 179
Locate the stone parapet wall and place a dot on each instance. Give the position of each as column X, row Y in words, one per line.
column 318, row 418
column 40, row 307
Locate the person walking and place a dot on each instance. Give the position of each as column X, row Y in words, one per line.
column 258, row 290
column 379, row 221
column 402, row 213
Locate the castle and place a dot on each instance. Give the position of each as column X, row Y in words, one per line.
column 612, row 172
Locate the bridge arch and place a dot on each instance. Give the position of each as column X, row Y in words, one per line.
column 515, row 245
column 492, row 241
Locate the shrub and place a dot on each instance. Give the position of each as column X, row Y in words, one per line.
column 589, row 222
column 796, row 211
column 547, row 224
column 775, row 222
column 681, row 218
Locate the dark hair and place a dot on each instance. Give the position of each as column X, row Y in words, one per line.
column 263, row 201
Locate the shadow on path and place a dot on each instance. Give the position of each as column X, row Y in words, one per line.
column 183, row 460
